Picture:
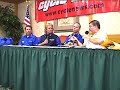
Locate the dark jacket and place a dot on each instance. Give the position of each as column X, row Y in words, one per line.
column 53, row 40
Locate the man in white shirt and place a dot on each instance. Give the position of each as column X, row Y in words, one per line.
column 96, row 36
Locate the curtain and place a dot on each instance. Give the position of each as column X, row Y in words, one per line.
column 24, row 68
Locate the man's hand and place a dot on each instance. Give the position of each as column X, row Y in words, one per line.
column 43, row 43
column 76, row 41
column 46, row 41
column 73, row 38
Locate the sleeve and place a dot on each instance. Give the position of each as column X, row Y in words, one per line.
column 9, row 41
column 101, row 35
column 2, row 42
column 40, row 40
column 35, row 43
column 20, row 42
column 81, row 39
column 58, row 41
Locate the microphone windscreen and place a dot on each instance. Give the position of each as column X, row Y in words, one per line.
column 86, row 32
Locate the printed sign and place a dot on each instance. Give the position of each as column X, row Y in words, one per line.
column 55, row 9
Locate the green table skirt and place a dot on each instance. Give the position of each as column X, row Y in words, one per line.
column 24, row 68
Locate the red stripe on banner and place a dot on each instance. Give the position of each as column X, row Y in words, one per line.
column 50, row 10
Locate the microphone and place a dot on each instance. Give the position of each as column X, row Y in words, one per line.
column 86, row 32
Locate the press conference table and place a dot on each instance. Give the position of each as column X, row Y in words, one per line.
column 59, row 68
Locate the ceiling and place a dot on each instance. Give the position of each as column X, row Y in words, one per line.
column 14, row 1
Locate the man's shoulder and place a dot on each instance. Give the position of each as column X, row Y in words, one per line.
column 55, row 35
column 101, row 32
column 33, row 36
column 69, row 35
column 80, row 35
column 23, row 36
column 43, row 35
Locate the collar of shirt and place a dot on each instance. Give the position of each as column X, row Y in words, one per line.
column 50, row 34
column 75, row 34
column 92, row 35
column 28, row 36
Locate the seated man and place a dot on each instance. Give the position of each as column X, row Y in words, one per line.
column 75, row 38
column 49, row 38
column 96, row 36
column 28, row 39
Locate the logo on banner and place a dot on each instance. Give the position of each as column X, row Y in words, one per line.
column 55, row 9
column 45, row 5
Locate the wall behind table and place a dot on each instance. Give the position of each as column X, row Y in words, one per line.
column 38, row 28
column 110, row 22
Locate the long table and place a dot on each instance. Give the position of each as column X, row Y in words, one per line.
column 59, row 68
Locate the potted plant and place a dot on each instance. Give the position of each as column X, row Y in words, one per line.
column 10, row 24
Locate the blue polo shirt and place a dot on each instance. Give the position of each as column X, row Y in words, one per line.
column 53, row 40
column 6, row 41
column 31, row 40
column 78, row 36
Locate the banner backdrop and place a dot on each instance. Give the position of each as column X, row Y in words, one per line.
column 50, row 10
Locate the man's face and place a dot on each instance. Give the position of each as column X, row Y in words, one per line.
column 49, row 29
column 76, row 28
column 28, row 31
column 92, row 29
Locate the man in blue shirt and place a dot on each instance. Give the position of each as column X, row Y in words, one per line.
column 49, row 38
column 75, row 38
column 29, row 39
